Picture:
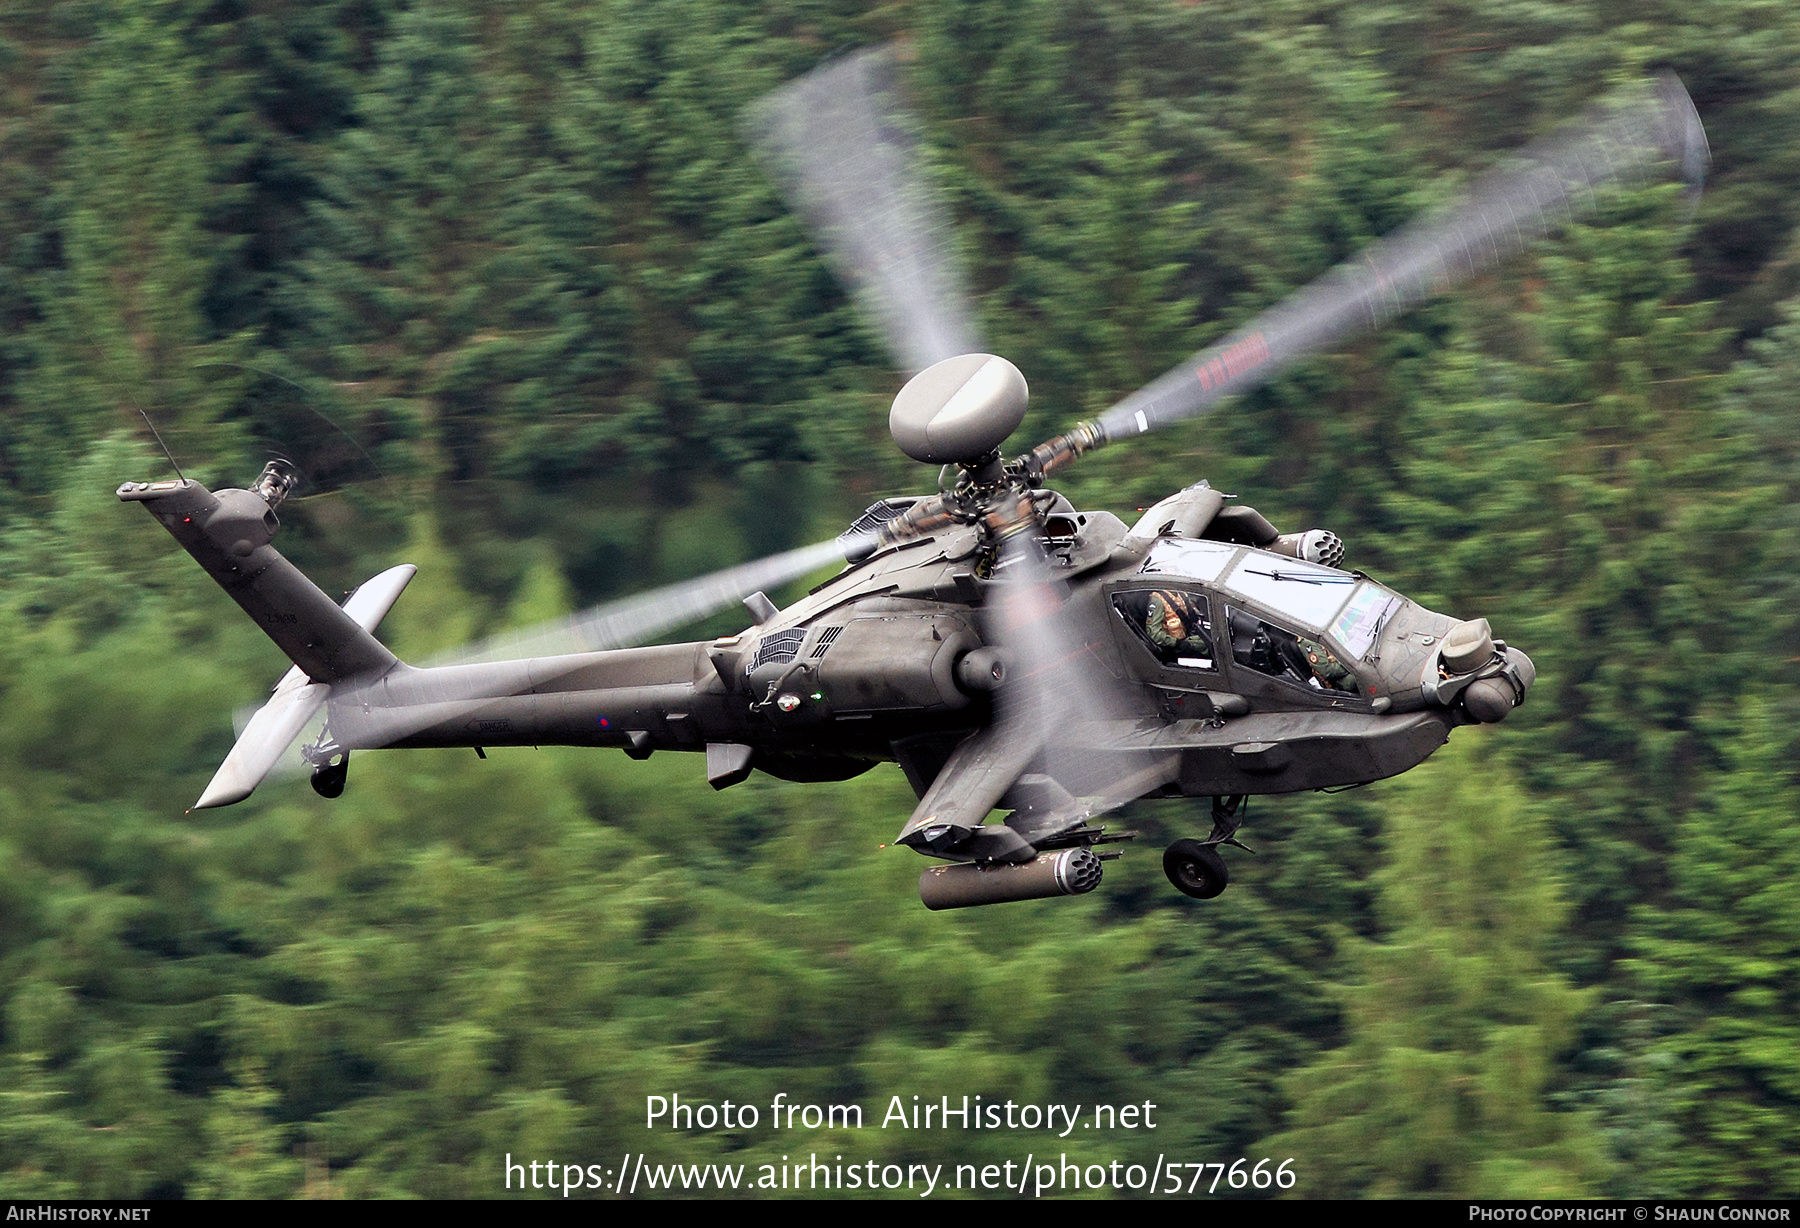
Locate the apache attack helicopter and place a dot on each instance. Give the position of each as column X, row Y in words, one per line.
column 1010, row 651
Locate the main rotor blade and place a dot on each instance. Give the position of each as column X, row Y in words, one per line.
column 1503, row 212
column 837, row 141
column 633, row 620
column 1056, row 691
column 454, row 685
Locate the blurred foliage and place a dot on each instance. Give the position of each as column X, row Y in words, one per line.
column 1455, row 1017
column 508, row 288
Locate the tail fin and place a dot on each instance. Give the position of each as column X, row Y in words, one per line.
column 228, row 533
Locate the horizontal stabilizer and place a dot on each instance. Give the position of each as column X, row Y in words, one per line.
column 372, row 600
column 264, row 740
column 296, row 699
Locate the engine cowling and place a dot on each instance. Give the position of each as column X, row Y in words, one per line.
column 874, row 662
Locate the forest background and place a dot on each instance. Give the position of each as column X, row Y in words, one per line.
column 505, row 282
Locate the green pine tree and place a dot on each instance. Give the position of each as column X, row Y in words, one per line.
column 1455, row 1016
column 1723, row 957
column 125, row 328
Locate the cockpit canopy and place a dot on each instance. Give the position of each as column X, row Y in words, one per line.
column 1304, row 623
column 1311, row 598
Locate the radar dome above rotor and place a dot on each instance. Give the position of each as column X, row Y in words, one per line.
column 959, row 410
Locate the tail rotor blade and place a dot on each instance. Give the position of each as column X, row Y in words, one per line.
column 837, row 141
column 1502, row 213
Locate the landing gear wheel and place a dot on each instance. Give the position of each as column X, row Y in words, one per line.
column 329, row 777
column 1196, row 869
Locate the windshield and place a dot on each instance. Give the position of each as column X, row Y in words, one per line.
column 1305, row 592
column 1361, row 621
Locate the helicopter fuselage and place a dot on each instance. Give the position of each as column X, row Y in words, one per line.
column 1196, row 654
column 873, row 666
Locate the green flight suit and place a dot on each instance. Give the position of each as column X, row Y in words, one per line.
column 1193, row 645
column 1331, row 672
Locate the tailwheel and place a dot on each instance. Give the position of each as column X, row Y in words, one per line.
column 1196, row 869
column 328, row 777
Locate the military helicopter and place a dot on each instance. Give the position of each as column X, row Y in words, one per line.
column 1011, row 652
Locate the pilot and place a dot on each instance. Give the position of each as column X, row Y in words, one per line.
column 1328, row 673
column 1172, row 626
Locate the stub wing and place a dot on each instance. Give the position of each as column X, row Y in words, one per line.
column 1003, row 768
column 974, row 779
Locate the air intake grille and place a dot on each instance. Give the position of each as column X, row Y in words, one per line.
column 825, row 640
column 779, row 648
